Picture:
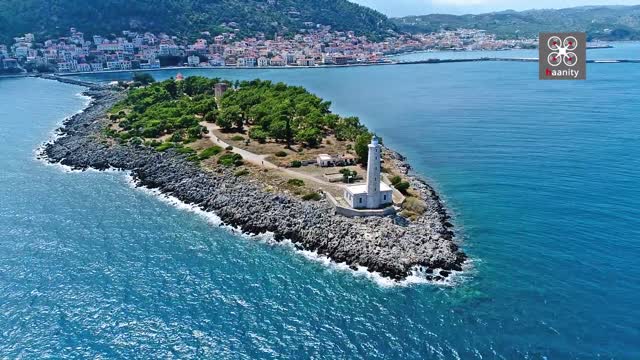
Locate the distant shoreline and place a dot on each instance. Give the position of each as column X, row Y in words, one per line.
column 317, row 67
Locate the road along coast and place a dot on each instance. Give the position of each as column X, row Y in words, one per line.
column 391, row 246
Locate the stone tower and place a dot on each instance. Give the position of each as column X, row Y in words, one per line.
column 373, row 174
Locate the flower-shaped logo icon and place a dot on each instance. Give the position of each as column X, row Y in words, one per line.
column 562, row 51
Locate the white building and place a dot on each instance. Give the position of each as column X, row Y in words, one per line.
column 263, row 61
column 324, row 160
column 84, row 67
column 374, row 194
column 193, row 60
column 108, row 46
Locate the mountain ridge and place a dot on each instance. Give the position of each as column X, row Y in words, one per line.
column 51, row 18
column 615, row 22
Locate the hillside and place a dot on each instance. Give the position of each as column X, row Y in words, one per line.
column 183, row 17
column 600, row 22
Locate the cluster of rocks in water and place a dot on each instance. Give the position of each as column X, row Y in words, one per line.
column 391, row 246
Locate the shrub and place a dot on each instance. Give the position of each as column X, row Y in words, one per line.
column 296, row 164
column 237, row 138
column 242, row 172
column 110, row 132
column 403, row 186
column 395, row 180
column 124, row 136
column 135, row 141
column 153, row 143
column 230, row 159
column 295, row 182
column 348, row 175
column 177, row 136
column 209, row 152
column 281, row 154
column 414, row 205
column 408, row 215
column 184, row 150
column 165, row 146
column 258, row 134
column 313, row 196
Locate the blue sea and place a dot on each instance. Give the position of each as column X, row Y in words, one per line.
column 543, row 179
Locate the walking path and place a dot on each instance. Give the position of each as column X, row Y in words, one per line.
column 260, row 160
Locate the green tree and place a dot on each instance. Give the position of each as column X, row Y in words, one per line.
column 310, row 136
column 229, row 117
column 258, row 134
column 171, row 87
column 362, row 147
column 211, row 116
column 143, row 78
column 278, row 130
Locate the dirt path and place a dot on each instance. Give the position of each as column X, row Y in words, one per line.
column 260, row 160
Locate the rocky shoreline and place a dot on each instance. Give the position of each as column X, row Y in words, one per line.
column 389, row 246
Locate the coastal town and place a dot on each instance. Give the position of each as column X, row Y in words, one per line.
column 315, row 46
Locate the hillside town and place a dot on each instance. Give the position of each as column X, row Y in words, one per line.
column 317, row 46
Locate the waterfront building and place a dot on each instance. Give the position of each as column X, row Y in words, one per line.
column 193, row 60
column 277, row 61
column 10, row 63
column 97, row 66
column 374, row 194
column 84, row 67
column 306, row 62
column 263, row 62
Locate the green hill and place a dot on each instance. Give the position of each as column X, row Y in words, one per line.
column 600, row 22
column 183, row 17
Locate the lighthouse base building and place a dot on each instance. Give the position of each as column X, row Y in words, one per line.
column 358, row 197
column 375, row 194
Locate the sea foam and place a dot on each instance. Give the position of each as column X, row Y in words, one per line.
column 416, row 278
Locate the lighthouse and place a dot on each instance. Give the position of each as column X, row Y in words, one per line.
column 375, row 194
column 373, row 174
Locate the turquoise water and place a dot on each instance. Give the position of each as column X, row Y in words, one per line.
column 542, row 177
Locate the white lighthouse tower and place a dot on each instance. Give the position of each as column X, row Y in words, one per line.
column 373, row 174
column 375, row 194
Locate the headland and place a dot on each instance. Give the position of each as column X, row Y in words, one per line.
column 418, row 243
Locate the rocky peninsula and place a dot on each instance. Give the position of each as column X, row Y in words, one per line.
column 391, row 246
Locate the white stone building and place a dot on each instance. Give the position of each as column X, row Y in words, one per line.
column 324, row 160
column 375, row 194
column 263, row 61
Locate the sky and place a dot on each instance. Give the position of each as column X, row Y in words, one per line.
column 422, row 7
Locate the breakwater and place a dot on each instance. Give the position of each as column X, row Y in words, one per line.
column 483, row 59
